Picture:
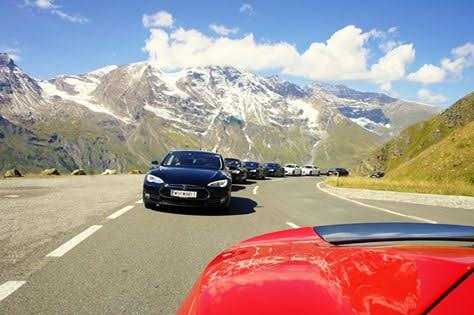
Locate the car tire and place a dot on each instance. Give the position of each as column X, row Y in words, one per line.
column 150, row 205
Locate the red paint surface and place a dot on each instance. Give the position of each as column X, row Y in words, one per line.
column 295, row 272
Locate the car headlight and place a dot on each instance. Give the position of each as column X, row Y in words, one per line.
column 154, row 179
column 235, row 172
column 219, row 183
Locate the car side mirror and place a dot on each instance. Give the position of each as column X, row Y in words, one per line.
column 154, row 162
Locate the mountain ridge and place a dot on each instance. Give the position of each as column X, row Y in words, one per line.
column 123, row 116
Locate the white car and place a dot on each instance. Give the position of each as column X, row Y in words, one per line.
column 310, row 170
column 292, row 169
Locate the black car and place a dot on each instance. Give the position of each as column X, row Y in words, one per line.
column 274, row 169
column 236, row 170
column 255, row 170
column 337, row 170
column 189, row 179
column 377, row 175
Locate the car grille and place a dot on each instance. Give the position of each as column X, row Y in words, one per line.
column 202, row 193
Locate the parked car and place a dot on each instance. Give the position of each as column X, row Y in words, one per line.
column 236, row 170
column 334, row 269
column 255, row 170
column 310, row 170
column 336, row 170
column 274, row 169
column 377, row 175
column 292, row 169
column 189, row 179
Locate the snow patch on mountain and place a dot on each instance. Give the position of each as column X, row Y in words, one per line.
column 83, row 96
column 306, row 111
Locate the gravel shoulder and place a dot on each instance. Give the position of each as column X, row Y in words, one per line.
column 35, row 211
column 460, row 202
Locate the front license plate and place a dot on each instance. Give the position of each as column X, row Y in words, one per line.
column 183, row 194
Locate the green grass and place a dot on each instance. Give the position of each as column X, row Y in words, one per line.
column 452, row 187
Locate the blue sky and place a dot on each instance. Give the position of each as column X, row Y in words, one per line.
column 397, row 47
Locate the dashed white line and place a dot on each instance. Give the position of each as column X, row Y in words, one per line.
column 73, row 242
column 255, row 190
column 375, row 207
column 9, row 287
column 292, row 225
column 11, row 196
column 139, row 201
column 119, row 212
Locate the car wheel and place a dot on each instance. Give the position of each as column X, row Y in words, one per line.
column 225, row 209
column 150, row 205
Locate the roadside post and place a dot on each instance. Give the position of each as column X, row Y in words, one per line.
column 337, row 179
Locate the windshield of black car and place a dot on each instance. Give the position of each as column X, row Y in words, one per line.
column 231, row 162
column 251, row 164
column 272, row 165
column 307, row 166
column 193, row 159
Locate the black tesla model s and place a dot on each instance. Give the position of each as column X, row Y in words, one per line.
column 189, row 179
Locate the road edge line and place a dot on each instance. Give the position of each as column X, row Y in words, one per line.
column 255, row 190
column 9, row 287
column 375, row 207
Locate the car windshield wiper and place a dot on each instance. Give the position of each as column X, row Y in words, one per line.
column 386, row 232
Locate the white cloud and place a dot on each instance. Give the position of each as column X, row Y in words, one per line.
column 393, row 65
column 159, row 19
column 182, row 48
column 388, row 45
column 393, row 29
column 247, row 9
column 222, row 30
column 426, row 96
column 427, row 74
column 48, row 5
column 45, row 4
column 463, row 57
column 343, row 56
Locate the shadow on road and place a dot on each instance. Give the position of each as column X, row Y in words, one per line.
column 238, row 206
column 237, row 187
column 249, row 182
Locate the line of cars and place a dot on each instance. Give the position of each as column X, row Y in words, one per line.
column 204, row 179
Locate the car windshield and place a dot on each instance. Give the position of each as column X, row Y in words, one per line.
column 272, row 165
column 193, row 159
column 233, row 162
column 308, row 166
column 251, row 164
column 290, row 165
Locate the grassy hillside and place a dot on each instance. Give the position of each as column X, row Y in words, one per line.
column 345, row 146
column 434, row 156
column 419, row 137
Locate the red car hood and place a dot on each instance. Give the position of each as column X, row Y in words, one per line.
column 296, row 272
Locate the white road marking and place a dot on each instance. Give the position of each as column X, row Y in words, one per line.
column 139, row 201
column 292, row 225
column 255, row 190
column 73, row 242
column 9, row 287
column 119, row 212
column 375, row 207
column 11, row 196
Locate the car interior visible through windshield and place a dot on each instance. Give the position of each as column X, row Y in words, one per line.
column 193, row 159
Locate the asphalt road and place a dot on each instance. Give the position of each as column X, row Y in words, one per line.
column 143, row 261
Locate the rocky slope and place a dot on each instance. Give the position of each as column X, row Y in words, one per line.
column 438, row 149
column 122, row 117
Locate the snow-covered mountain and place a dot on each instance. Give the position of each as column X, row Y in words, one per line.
column 121, row 117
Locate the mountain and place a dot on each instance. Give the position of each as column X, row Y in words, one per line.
column 123, row 116
column 441, row 148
